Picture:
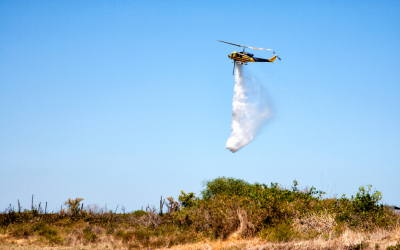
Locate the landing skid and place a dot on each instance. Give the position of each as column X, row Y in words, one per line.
column 238, row 62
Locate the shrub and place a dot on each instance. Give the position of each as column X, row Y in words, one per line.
column 119, row 234
column 142, row 236
column 56, row 239
column 361, row 245
column 225, row 186
column 73, row 205
column 280, row 233
column 48, row 232
column 221, row 215
column 366, row 201
column 127, row 236
column 188, row 200
column 89, row 235
column 21, row 231
column 111, row 228
column 363, row 210
column 139, row 213
column 396, row 247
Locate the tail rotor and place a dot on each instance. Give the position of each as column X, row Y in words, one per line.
column 277, row 56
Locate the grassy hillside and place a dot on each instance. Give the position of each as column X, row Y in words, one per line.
column 227, row 209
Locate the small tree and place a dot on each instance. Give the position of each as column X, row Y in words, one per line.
column 366, row 200
column 188, row 200
column 73, row 205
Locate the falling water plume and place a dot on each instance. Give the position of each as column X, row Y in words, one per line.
column 250, row 111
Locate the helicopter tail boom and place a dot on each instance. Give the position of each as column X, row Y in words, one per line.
column 274, row 58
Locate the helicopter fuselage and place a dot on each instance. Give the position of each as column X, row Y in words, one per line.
column 245, row 57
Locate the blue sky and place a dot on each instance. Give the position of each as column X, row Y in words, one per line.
column 120, row 102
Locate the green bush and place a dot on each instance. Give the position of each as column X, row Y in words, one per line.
column 139, row 213
column 396, row 247
column 188, row 200
column 42, row 229
column 231, row 186
column 225, row 186
column 127, row 236
column 110, row 229
column 281, row 233
column 21, row 231
column 119, row 234
column 142, row 236
column 218, row 216
column 124, row 235
column 56, row 239
column 73, row 205
column 363, row 210
column 89, row 235
column 48, row 232
column 366, row 201
column 45, row 230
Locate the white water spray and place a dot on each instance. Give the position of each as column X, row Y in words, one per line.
column 250, row 111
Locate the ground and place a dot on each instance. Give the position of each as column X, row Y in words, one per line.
column 379, row 239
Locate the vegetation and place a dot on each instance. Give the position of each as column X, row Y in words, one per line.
column 226, row 208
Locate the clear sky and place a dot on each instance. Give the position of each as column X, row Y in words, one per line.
column 120, row 102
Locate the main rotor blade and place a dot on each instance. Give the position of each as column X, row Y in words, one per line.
column 256, row 48
column 242, row 45
column 231, row 43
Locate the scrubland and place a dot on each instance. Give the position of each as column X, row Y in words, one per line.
column 228, row 214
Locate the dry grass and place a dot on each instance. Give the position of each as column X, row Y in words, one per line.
column 348, row 240
column 245, row 228
column 378, row 239
column 322, row 222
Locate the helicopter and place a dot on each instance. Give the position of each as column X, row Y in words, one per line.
column 245, row 57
